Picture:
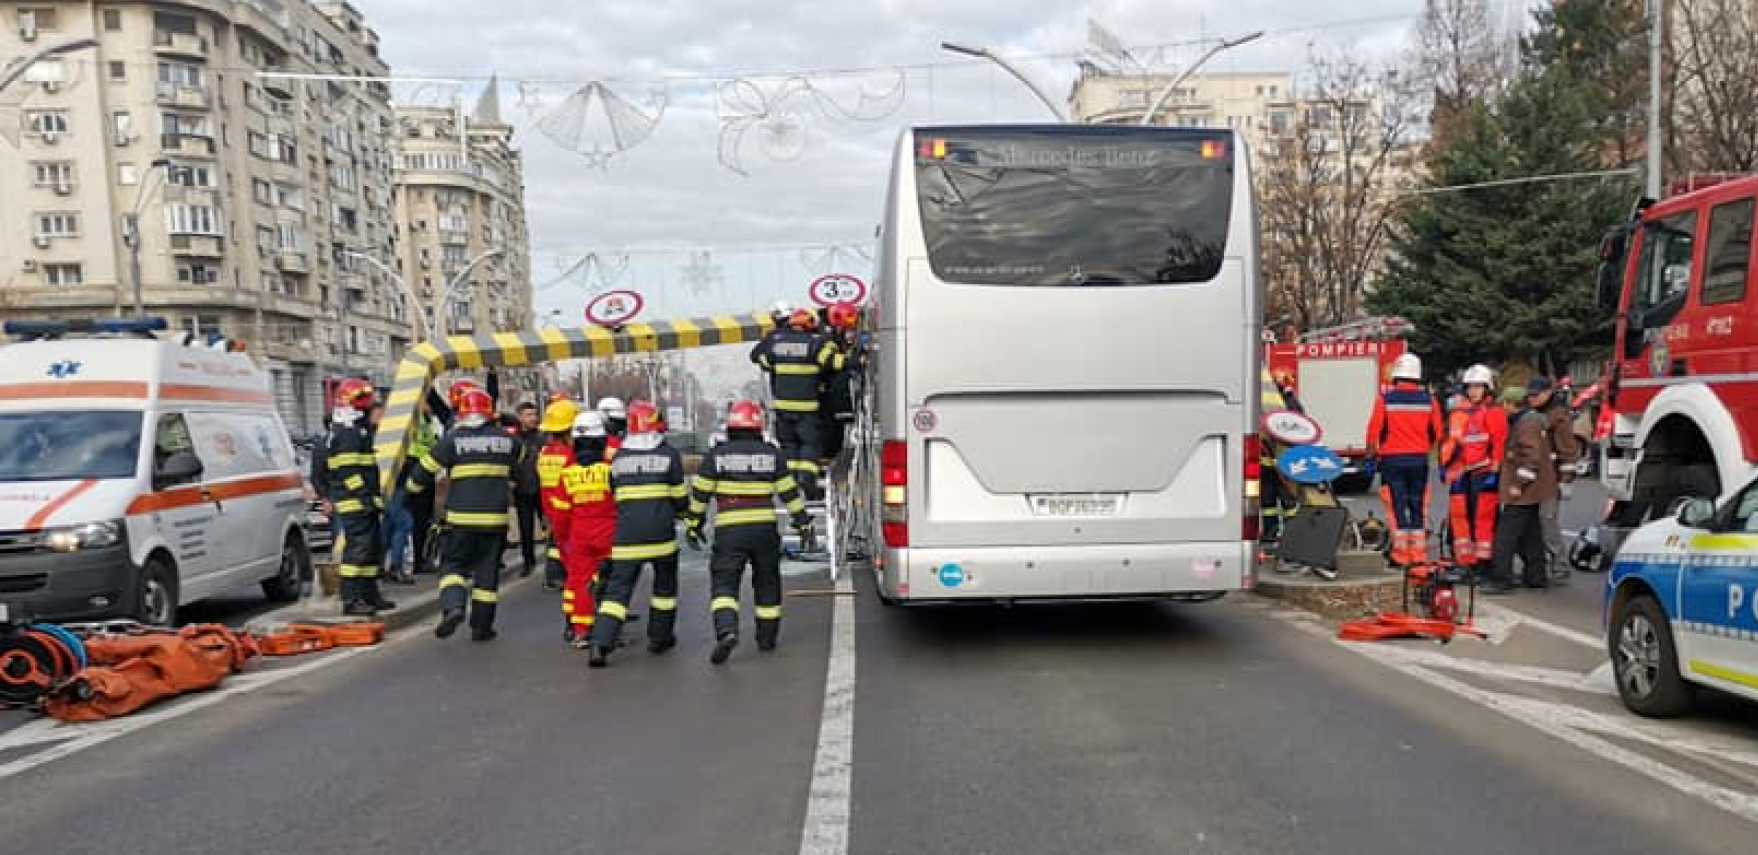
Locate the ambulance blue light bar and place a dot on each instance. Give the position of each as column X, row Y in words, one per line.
column 109, row 326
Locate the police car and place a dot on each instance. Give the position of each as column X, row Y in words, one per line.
column 1682, row 606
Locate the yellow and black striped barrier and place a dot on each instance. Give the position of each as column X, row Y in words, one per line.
column 430, row 359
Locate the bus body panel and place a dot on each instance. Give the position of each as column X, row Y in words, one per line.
column 1009, row 400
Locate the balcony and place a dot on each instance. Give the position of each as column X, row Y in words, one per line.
column 187, row 145
column 185, row 97
column 289, row 261
column 197, row 246
column 450, row 236
column 186, row 45
column 207, row 196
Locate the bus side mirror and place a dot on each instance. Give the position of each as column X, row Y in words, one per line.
column 1696, row 513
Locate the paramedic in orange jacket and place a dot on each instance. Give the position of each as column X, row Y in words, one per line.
column 591, row 525
column 557, row 453
column 1477, row 434
column 1404, row 429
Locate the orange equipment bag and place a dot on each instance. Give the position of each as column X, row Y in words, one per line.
column 300, row 638
column 129, row 672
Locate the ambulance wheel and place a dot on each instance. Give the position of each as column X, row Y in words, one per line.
column 1645, row 661
column 156, row 599
column 285, row 585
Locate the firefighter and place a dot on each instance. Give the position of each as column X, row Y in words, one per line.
column 556, row 455
column 346, row 476
column 743, row 477
column 589, row 522
column 478, row 456
column 1404, row 429
column 838, row 400
column 647, row 479
column 1477, row 433
column 1277, row 501
column 616, row 424
column 797, row 359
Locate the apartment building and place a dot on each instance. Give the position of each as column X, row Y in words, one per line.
column 188, row 132
column 464, row 248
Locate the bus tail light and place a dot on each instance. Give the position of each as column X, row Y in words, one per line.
column 894, row 524
column 1250, row 524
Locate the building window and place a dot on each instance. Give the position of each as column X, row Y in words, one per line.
column 38, row 19
column 291, row 240
column 198, row 273
column 122, row 122
column 47, row 122
column 63, row 274
column 118, row 70
column 127, row 175
column 180, row 125
column 262, row 191
column 55, row 173
column 58, row 224
column 289, row 197
column 113, row 20
column 265, row 239
column 190, row 175
column 201, row 220
column 180, row 75
column 201, row 324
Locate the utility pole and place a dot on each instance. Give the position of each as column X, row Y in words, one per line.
column 984, row 53
column 1166, row 91
column 1656, row 28
column 131, row 235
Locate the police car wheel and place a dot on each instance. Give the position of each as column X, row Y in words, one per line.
column 1645, row 661
column 156, row 601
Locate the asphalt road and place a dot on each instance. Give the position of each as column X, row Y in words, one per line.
column 1119, row 729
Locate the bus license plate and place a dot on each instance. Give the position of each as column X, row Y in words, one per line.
column 1076, row 506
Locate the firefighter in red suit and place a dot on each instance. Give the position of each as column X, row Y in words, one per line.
column 1477, row 434
column 591, row 523
column 557, row 453
column 1404, row 429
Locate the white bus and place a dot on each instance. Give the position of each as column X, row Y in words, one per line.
column 1065, row 366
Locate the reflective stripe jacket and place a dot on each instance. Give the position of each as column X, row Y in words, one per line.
column 589, row 507
column 480, row 462
column 1476, row 435
column 744, row 477
column 648, row 480
column 556, row 456
column 1406, row 422
column 348, row 475
column 796, row 361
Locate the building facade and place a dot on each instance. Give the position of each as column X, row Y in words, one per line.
column 254, row 189
column 463, row 247
column 1257, row 104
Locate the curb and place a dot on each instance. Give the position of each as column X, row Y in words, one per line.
column 414, row 604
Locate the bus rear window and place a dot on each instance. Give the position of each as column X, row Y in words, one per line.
column 1074, row 207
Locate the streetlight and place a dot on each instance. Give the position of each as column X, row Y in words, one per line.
column 446, row 295
column 1148, row 117
column 17, row 68
column 983, row 53
column 131, row 234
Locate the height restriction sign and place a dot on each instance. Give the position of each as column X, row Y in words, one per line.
column 835, row 288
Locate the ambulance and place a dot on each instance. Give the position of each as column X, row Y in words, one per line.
column 1682, row 606
column 139, row 473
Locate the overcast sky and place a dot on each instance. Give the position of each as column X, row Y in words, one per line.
column 670, row 190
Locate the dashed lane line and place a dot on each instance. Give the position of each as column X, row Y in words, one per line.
column 826, row 828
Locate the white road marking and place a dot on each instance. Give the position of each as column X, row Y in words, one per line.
column 1570, row 725
column 1543, row 626
column 1555, row 678
column 75, row 738
column 827, row 807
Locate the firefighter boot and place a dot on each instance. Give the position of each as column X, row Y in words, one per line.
column 723, row 648
column 598, row 657
column 369, row 591
column 449, row 623
column 768, row 629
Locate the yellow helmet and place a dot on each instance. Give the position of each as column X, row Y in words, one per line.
column 558, row 417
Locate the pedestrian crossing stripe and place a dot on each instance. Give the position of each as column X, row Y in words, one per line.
column 428, row 360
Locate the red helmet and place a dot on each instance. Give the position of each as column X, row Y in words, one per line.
column 844, row 316
column 803, row 319
column 475, row 402
column 357, row 394
column 455, row 395
column 645, row 418
column 745, row 415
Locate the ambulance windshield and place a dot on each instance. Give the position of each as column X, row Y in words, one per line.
column 66, row 446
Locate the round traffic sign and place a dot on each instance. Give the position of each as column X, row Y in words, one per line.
column 614, row 308
column 1291, row 428
column 835, row 288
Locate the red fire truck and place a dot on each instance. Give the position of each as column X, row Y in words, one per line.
column 1337, row 373
column 1679, row 277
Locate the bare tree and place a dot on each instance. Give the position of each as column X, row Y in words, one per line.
column 1328, row 179
column 1714, row 87
column 1463, row 57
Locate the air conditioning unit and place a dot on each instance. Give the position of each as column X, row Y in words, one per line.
column 51, row 87
column 64, row 189
column 30, row 265
column 50, row 137
column 124, row 138
column 40, row 241
column 28, row 31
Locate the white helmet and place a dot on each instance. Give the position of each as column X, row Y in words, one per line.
column 1407, row 367
column 613, row 408
column 781, row 307
column 1479, row 375
column 589, row 424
